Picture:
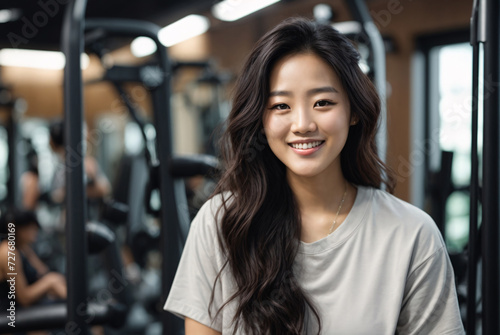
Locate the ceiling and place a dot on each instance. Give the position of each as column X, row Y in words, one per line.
column 39, row 21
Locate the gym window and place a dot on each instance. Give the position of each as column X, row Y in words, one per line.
column 442, row 132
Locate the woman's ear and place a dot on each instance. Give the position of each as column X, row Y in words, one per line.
column 354, row 120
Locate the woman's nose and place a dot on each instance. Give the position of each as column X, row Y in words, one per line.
column 303, row 121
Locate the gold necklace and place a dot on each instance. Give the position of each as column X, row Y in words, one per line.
column 338, row 210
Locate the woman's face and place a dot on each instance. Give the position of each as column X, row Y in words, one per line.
column 307, row 116
column 28, row 234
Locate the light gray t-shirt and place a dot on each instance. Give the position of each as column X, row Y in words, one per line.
column 385, row 270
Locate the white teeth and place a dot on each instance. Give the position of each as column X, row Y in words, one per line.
column 303, row 146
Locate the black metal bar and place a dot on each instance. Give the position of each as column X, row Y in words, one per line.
column 170, row 243
column 54, row 316
column 195, row 165
column 12, row 160
column 134, row 113
column 123, row 73
column 442, row 187
column 474, row 182
column 491, row 170
column 126, row 27
column 76, row 243
column 472, row 247
column 182, row 64
column 360, row 12
column 114, row 266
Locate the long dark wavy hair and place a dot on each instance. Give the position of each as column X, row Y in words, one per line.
column 259, row 221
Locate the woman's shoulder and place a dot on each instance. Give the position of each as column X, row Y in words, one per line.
column 397, row 208
column 215, row 205
column 4, row 249
column 407, row 228
column 6, row 252
column 395, row 213
column 210, row 213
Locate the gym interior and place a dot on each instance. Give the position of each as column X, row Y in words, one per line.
column 143, row 89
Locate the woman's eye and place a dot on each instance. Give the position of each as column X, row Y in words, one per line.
column 323, row 103
column 280, row 107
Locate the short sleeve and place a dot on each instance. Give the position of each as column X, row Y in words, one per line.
column 198, row 268
column 430, row 305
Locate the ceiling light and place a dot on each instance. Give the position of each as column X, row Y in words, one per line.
column 232, row 10
column 322, row 13
column 184, row 29
column 142, row 46
column 348, row 27
column 38, row 59
column 7, row 15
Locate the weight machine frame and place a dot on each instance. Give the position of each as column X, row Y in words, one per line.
column 171, row 216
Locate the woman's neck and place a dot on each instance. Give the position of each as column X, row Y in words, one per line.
column 322, row 192
column 324, row 202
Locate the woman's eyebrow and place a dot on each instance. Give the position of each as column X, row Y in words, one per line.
column 280, row 93
column 324, row 89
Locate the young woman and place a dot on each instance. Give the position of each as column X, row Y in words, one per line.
column 33, row 281
column 299, row 238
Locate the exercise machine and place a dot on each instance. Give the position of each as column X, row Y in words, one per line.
column 173, row 213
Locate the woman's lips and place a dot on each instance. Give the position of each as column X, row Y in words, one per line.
column 305, row 149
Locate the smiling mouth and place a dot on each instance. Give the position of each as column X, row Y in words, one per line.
column 304, row 146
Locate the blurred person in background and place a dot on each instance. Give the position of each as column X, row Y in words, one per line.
column 97, row 184
column 30, row 187
column 34, row 282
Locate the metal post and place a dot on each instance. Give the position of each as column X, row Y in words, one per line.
column 170, row 217
column 491, row 170
column 76, row 241
column 170, row 243
column 360, row 13
column 12, row 159
column 474, row 186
